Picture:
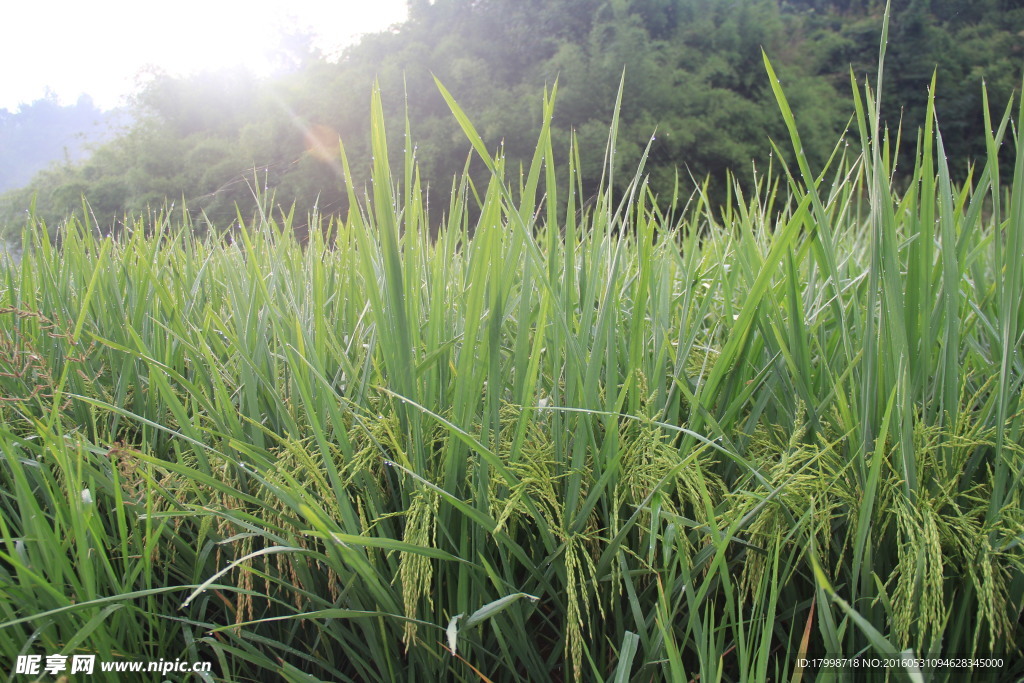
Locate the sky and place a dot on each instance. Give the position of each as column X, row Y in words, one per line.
column 103, row 48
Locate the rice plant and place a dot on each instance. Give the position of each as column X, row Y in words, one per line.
column 652, row 440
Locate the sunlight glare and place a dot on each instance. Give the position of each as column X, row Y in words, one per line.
column 101, row 48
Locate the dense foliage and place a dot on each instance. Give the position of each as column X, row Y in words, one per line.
column 213, row 142
column 653, row 441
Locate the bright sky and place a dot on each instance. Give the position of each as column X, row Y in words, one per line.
column 100, row 47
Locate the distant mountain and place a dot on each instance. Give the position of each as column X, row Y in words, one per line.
column 45, row 132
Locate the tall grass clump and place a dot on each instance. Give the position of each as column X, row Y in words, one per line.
column 643, row 440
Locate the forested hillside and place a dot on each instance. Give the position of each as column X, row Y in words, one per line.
column 693, row 78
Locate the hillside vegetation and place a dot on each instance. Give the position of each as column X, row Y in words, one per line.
column 651, row 441
column 208, row 143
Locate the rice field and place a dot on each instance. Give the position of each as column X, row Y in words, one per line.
column 650, row 439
